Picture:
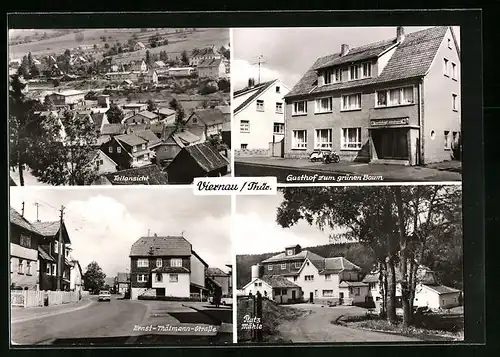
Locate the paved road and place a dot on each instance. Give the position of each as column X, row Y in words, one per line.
column 317, row 327
column 121, row 321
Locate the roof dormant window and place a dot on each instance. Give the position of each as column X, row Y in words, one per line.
column 244, row 126
column 351, row 138
column 351, row 102
column 332, row 76
column 260, row 105
column 367, row 70
column 395, row 96
column 142, row 263
column 359, row 71
column 299, row 108
column 299, row 139
column 324, row 105
column 159, row 262
column 297, row 265
column 323, row 139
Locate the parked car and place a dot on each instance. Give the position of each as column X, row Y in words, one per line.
column 226, row 300
column 104, row 295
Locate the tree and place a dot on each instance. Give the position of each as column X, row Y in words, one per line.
column 95, row 46
column 204, row 104
column 224, row 85
column 48, row 103
column 184, row 58
column 24, row 68
column 56, row 82
column 174, row 104
column 148, row 59
column 94, row 277
column 180, row 123
column 151, row 105
column 34, row 72
column 30, row 60
column 106, row 45
column 115, row 114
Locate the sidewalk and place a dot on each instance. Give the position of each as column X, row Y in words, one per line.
column 20, row 314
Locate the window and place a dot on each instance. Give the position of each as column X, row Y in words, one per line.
column 278, row 89
column 159, row 277
column 260, row 105
column 455, row 138
column 323, row 139
column 134, row 149
column 289, row 252
column 176, row 262
column 20, row 267
column 371, row 286
column 328, row 277
column 12, row 264
column 324, row 105
column 118, row 150
column 295, row 278
column 56, row 247
column 143, row 146
column 279, row 107
column 433, row 135
column 25, row 240
column 244, row 146
column 195, row 120
column 354, row 72
column 66, row 252
column 309, row 277
column 283, row 266
column 270, row 267
column 279, row 128
column 48, row 269
column 367, row 70
column 351, row 138
column 297, row 265
column 54, row 269
column 449, row 43
column 315, row 293
column 245, row 126
column 447, row 143
column 332, row 76
column 145, row 157
column 299, row 108
column 454, row 71
column 142, row 278
column 454, row 102
column 142, row 263
column 356, row 291
column 446, row 70
column 174, row 278
column 299, row 139
column 257, row 284
column 395, row 96
column 110, row 149
column 101, row 162
column 134, row 160
column 327, row 293
column 351, row 102
column 159, row 262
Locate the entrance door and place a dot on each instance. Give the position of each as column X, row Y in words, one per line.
column 391, row 143
column 160, row 291
column 311, row 297
column 341, row 298
column 293, row 295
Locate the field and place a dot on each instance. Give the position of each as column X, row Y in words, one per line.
column 178, row 43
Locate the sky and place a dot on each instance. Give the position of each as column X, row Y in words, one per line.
column 256, row 231
column 104, row 223
column 289, row 52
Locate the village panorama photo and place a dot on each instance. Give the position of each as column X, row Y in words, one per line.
column 350, row 265
column 130, row 266
column 118, row 106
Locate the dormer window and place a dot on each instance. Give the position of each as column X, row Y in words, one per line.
column 367, row 70
column 134, row 149
column 289, row 252
column 354, row 72
column 159, row 262
column 332, row 76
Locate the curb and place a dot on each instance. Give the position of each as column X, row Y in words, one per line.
column 51, row 313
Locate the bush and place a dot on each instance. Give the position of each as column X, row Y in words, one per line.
column 205, row 89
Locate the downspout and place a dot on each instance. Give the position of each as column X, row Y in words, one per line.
column 421, row 122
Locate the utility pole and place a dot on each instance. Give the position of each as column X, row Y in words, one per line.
column 60, row 251
column 259, row 62
column 22, row 212
column 36, row 204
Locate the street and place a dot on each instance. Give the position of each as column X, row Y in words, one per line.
column 318, row 327
column 124, row 322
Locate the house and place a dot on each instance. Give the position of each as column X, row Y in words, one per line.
column 226, row 134
column 318, row 278
column 207, row 53
column 143, row 117
column 221, row 279
column 159, row 65
column 145, row 175
column 172, row 144
column 103, row 101
column 149, row 77
column 136, row 107
column 76, row 276
column 132, row 76
column 53, row 253
column 259, row 115
column 128, row 151
column 198, row 160
column 152, row 141
column 24, row 240
column 180, row 71
column 166, row 266
column 274, row 287
column 394, row 101
column 104, row 163
column 138, row 66
column 122, row 283
column 139, row 46
column 99, row 120
column 166, row 114
column 211, row 120
column 67, row 97
column 211, row 68
column 353, row 292
column 113, row 129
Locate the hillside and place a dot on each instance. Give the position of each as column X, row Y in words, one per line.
column 354, row 252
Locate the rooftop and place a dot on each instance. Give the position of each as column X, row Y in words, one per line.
column 277, row 281
column 153, row 175
column 257, row 90
column 20, row 221
column 161, row 246
column 130, row 139
column 69, row 92
column 207, row 157
column 210, row 116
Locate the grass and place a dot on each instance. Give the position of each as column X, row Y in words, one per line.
column 272, row 316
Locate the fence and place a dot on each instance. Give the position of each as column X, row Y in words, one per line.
column 33, row 298
column 250, row 329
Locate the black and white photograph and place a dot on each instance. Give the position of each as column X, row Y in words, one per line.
column 362, row 104
column 350, row 264
column 118, row 106
column 130, row 266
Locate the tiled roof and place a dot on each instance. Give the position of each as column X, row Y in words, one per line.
column 133, row 128
column 148, row 114
column 441, row 289
column 215, row 272
column 153, row 174
column 209, row 62
column 47, row 229
column 149, row 136
column 342, row 263
column 20, row 221
column 371, row 278
column 209, row 116
column 166, row 111
column 98, row 119
column 130, row 139
column 173, row 246
column 112, row 129
column 44, row 255
column 302, row 255
column 278, row 281
column 412, row 58
column 171, row 270
column 185, row 138
column 123, row 277
column 157, row 128
column 207, row 157
column 259, row 89
column 352, row 284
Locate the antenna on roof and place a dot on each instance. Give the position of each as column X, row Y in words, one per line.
column 182, row 234
column 259, row 62
column 37, row 205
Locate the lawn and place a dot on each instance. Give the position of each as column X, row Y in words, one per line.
column 272, row 316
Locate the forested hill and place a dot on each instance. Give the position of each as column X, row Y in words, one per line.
column 354, row 252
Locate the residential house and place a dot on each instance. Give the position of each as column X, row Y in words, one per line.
column 122, row 283
column 159, row 65
column 210, row 120
column 53, row 253
column 208, row 53
column 76, row 276
column 136, row 107
column 166, row 115
column 104, row 163
column 259, row 115
column 173, row 142
column 138, row 66
column 99, row 120
column 145, row 175
column 113, row 129
column 139, row 46
column 393, row 101
column 211, row 68
column 181, row 71
column 198, row 160
column 152, row 141
column 319, row 279
column 166, row 266
column 143, row 117
column 128, row 151
column 149, row 77
column 226, row 134
column 67, row 97
column 103, row 101
column 24, row 265
column 220, row 279
column 132, row 76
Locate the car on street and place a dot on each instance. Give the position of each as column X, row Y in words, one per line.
column 226, row 300
column 104, row 295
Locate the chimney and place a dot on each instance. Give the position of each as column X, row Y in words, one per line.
column 251, row 82
column 400, row 34
column 344, row 48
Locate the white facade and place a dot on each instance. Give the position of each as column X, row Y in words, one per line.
column 197, row 271
column 278, row 295
column 262, row 120
column 426, row 296
column 75, row 279
column 321, row 287
column 176, row 285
